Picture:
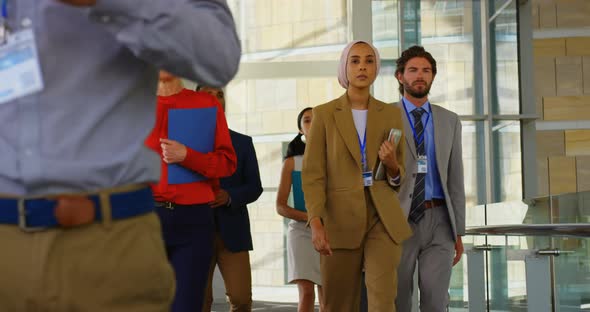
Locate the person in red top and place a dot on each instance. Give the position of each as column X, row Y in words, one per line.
column 187, row 218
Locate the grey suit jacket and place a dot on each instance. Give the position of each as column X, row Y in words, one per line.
column 447, row 138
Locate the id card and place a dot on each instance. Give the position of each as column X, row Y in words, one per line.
column 422, row 164
column 368, row 178
column 20, row 71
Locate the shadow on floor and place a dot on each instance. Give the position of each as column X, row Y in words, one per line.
column 261, row 306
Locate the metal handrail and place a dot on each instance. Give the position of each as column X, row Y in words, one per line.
column 558, row 229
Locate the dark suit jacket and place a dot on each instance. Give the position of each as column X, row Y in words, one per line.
column 244, row 187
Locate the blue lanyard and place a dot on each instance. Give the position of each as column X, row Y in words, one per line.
column 363, row 145
column 4, row 9
column 411, row 120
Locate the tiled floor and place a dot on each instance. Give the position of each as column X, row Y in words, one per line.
column 260, row 306
column 279, row 299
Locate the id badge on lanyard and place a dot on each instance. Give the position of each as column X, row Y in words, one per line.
column 422, row 164
column 20, row 71
column 367, row 174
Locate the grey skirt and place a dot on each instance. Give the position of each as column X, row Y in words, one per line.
column 303, row 260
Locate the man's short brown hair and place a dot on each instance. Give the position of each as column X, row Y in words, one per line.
column 407, row 55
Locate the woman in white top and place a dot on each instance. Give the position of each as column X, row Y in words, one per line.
column 303, row 260
column 354, row 211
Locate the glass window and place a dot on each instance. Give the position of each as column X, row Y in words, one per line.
column 386, row 39
column 286, row 30
column 505, row 61
column 473, row 158
column 284, row 35
column 507, row 160
column 447, row 33
column 271, row 106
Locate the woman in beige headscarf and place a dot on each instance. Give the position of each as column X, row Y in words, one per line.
column 356, row 220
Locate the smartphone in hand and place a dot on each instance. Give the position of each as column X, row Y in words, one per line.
column 396, row 134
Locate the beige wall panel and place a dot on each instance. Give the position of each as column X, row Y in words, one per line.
column 254, row 124
column 547, row 16
column 283, row 11
column 252, row 40
column 542, row 177
column 272, row 122
column 251, row 96
column 328, row 34
column 297, row 13
column 539, row 106
column 289, row 121
column 308, row 15
column 566, row 107
column 549, row 47
column 562, row 175
column 337, row 9
column 550, row 144
column 577, row 142
column 468, row 17
column 263, row 13
column 283, row 36
column 583, row 173
column 303, row 34
column 236, row 99
column 568, row 71
column 543, row 2
column 237, row 122
column 455, row 80
column 462, row 52
column 586, row 74
column 545, row 76
column 578, row 46
column 448, row 25
column 302, row 93
column 573, row 13
column 535, row 16
column 266, row 36
column 318, row 91
column 428, row 23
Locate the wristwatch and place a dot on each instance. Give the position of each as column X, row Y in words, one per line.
column 394, row 181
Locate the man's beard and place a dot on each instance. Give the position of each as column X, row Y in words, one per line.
column 415, row 93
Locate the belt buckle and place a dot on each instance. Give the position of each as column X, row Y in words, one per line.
column 22, row 218
column 169, row 205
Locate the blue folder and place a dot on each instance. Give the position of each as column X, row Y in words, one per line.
column 195, row 128
column 298, row 198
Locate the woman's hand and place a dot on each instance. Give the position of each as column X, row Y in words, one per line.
column 388, row 157
column 319, row 237
column 172, row 152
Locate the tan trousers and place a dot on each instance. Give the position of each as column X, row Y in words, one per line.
column 121, row 267
column 378, row 255
column 236, row 273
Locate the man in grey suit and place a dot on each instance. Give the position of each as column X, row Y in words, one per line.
column 433, row 193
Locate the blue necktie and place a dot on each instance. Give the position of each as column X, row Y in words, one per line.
column 417, row 210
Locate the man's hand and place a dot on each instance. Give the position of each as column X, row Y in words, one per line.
column 79, row 3
column 319, row 237
column 221, row 199
column 458, row 250
column 172, row 151
column 388, row 157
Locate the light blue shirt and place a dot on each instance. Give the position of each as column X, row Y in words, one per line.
column 433, row 185
column 85, row 130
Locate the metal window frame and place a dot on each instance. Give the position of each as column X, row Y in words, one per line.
column 484, row 96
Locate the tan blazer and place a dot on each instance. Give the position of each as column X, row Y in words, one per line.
column 332, row 174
